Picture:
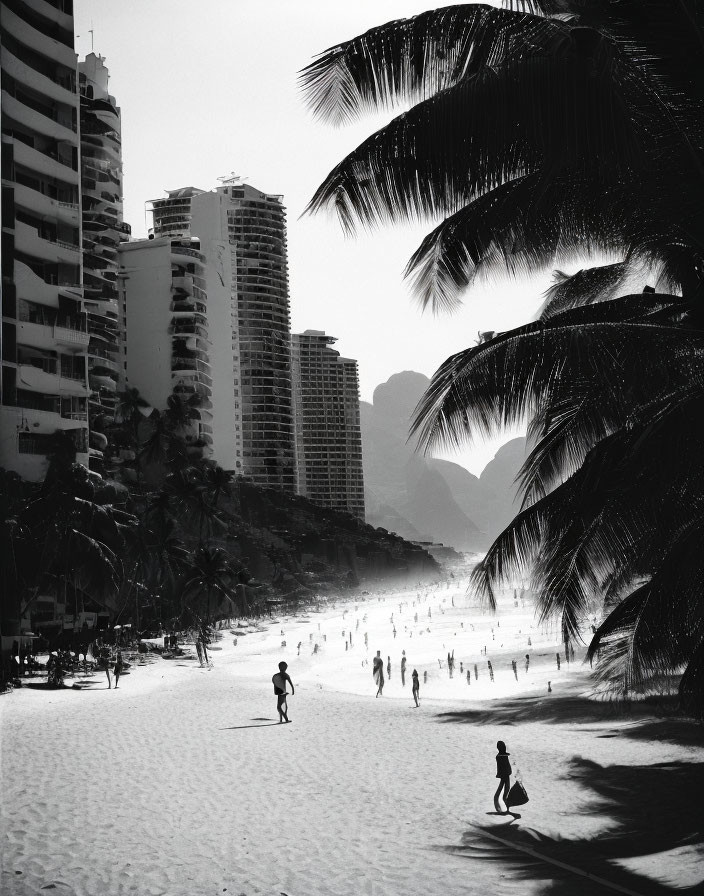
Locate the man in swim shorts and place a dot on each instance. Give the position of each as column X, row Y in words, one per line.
column 279, row 681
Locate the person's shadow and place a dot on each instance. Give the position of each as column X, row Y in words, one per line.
column 267, row 724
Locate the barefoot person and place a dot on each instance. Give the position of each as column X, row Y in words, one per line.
column 378, row 673
column 416, row 687
column 280, row 680
column 117, row 670
column 503, row 773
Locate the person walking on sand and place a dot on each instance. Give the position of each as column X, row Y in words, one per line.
column 416, row 687
column 378, row 673
column 105, row 658
column 280, row 680
column 117, row 670
column 503, row 773
column 403, row 671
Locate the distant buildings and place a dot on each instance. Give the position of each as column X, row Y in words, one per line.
column 257, row 232
column 242, row 232
column 45, row 338
column 327, row 426
column 103, row 231
column 200, row 310
column 176, row 309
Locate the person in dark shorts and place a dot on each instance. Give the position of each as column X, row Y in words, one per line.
column 416, row 687
column 280, row 680
column 117, row 670
column 503, row 773
column 378, row 673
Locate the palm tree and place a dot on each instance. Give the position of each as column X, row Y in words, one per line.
column 157, row 557
column 541, row 131
column 67, row 542
column 211, row 572
column 218, row 483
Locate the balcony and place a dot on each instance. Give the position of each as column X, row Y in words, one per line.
column 98, row 382
column 192, row 253
column 45, row 164
column 101, row 361
column 48, row 338
column 39, row 42
column 37, row 121
column 77, row 340
column 189, row 364
column 25, row 74
column 184, row 282
column 34, row 379
column 27, row 240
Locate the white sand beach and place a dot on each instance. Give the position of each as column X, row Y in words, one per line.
column 182, row 782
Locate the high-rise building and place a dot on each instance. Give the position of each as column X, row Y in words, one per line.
column 260, row 323
column 103, row 230
column 177, row 318
column 257, row 232
column 327, row 425
column 44, row 385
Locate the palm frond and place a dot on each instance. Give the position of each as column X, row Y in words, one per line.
column 554, row 113
column 598, row 284
column 512, row 551
column 495, row 384
column 411, row 59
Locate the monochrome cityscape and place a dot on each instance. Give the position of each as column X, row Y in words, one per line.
column 198, row 313
column 425, row 620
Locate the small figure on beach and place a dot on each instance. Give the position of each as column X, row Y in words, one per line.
column 491, row 670
column 403, row 671
column 415, row 687
column 557, row 657
column 117, row 670
column 388, row 667
column 425, row 677
column 105, row 658
column 280, row 680
column 515, row 669
column 378, row 673
column 527, row 661
column 503, row 773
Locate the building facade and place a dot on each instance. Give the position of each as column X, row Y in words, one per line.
column 260, row 333
column 257, row 236
column 45, row 338
column 103, row 231
column 327, row 424
column 176, row 309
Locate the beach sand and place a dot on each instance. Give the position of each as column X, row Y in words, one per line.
column 181, row 782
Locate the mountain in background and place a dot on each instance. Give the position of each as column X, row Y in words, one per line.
column 424, row 499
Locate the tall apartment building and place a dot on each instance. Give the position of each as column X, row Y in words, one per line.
column 177, row 318
column 257, row 232
column 103, row 230
column 327, row 424
column 44, row 384
column 259, row 319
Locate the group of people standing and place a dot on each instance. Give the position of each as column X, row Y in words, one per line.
column 378, row 674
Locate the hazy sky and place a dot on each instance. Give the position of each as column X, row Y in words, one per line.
column 210, row 88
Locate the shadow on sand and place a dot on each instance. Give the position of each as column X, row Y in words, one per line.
column 651, row 809
column 646, row 720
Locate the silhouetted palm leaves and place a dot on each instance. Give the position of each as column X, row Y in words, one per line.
column 538, row 132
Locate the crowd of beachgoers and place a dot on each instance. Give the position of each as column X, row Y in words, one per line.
column 187, row 778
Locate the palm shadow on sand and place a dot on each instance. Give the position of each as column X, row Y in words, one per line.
column 656, row 719
column 651, row 809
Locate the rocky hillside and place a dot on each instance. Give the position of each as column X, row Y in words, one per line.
column 423, row 498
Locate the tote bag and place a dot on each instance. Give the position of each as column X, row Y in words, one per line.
column 517, row 795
